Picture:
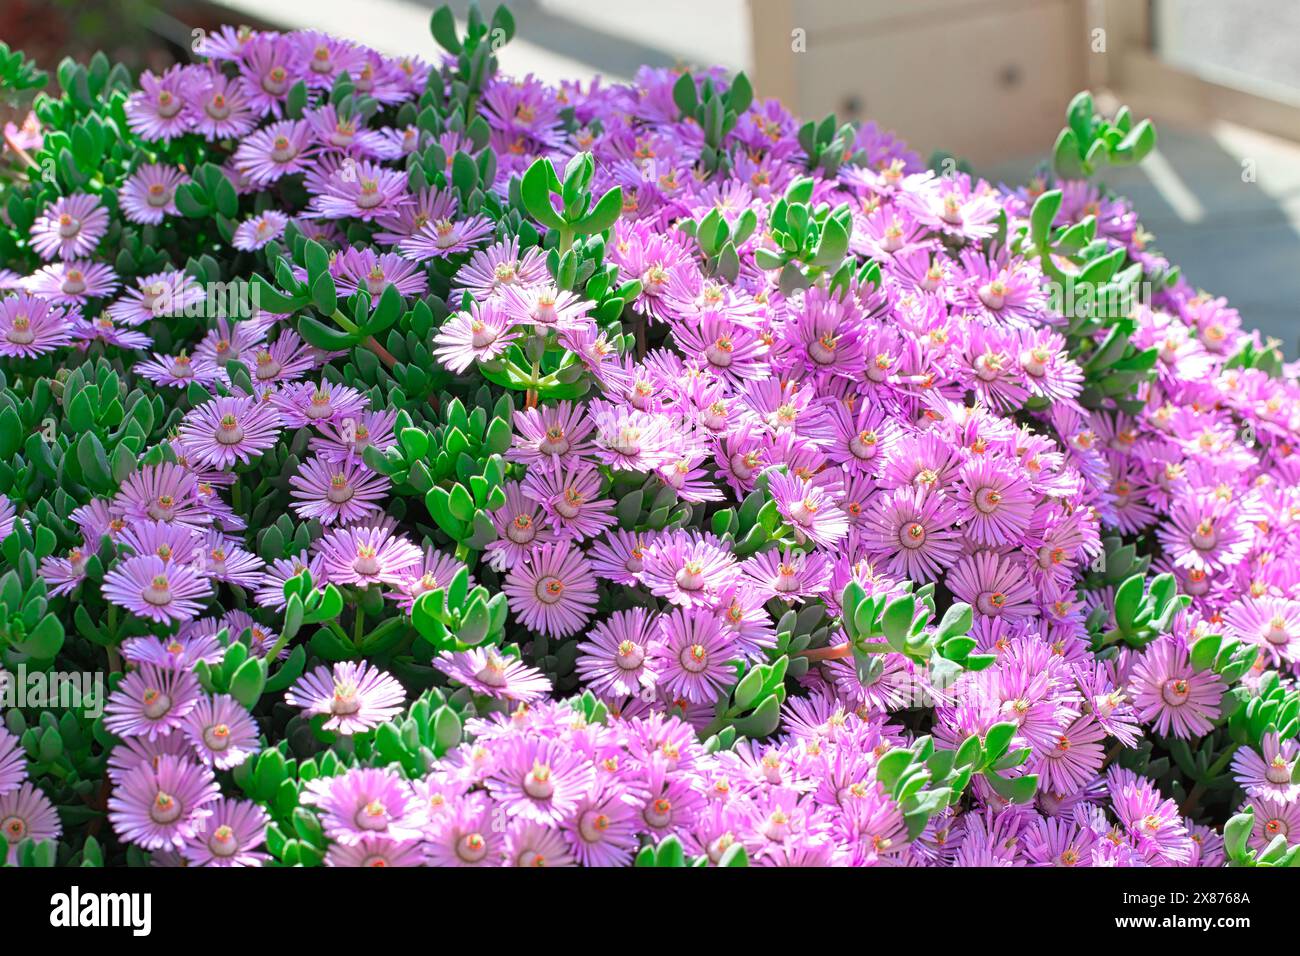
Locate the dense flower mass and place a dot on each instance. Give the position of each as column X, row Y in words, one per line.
column 456, row 470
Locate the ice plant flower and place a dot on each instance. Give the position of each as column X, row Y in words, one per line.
column 366, row 555
column 70, row 227
column 553, row 590
column 231, row 836
column 479, row 335
column 353, row 696
column 365, row 803
column 616, row 658
column 151, row 702
column 1169, row 693
column 808, row 509
column 27, row 814
column 227, row 430
column 13, row 762
column 492, row 674
column 222, row 731
column 163, row 804
column 151, row 588
column 150, row 194
column 31, row 326
column 334, row 493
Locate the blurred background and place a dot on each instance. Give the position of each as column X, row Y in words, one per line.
column 987, row 80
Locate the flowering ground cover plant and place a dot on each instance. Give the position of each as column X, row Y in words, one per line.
column 434, row 467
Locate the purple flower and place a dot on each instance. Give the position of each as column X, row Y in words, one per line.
column 158, row 295
column 161, row 493
column 310, row 403
column 257, row 231
column 1273, row 818
column 531, row 844
column 468, row 835
column 269, row 65
column 1170, row 694
column 487, row 672
column 366, row 555
column 30, row 326
column 150, row 193
column 27, row 814
column 552, row 591
column 275, row 151
column 735, row 351
column 151, row 702
column 1269, row 773
column 912, row 529
column 519, row 526
column 825, row 336
column 70, row 227
column 810, row 511
column 1270, row 623
column 162, row 804
column 72, row 282
column 501, row 269
column 440, row 238
column 375, row 852
column 13, row 762
column 228, row 430
column 620, row 556
column 1048, row 371
column 356, row 270
column 270, row 592
column 230, row 836
column 602, row 830
column 616, row 659
column 179, row 652
column 350, row 437
column 347, row 135
column 222, row 732
column 693, row 655
column 631, row 440
column 954, row 206
column 994, row 585
column 149, row 588
column 1074, row 760
column 1152, row 822
column 157, row 110
column 571, row 498
column 540, row 780
column 366, row 803
column 135, row 752
column 479, row 335
column 553, row 431
column 355, row 696
column 995, row 500
column 104, row 330
column 218, row 108
column 178, row 371
column 335, row 493
column 544, row 307
column 437, row 570
column 789, row 575
column 358, row 190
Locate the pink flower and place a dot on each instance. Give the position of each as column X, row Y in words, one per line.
column 354, row 696
column 552, row 591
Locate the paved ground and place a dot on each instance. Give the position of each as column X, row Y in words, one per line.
column 1231, row 237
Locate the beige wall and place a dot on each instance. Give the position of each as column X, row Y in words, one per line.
column 985, row 79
